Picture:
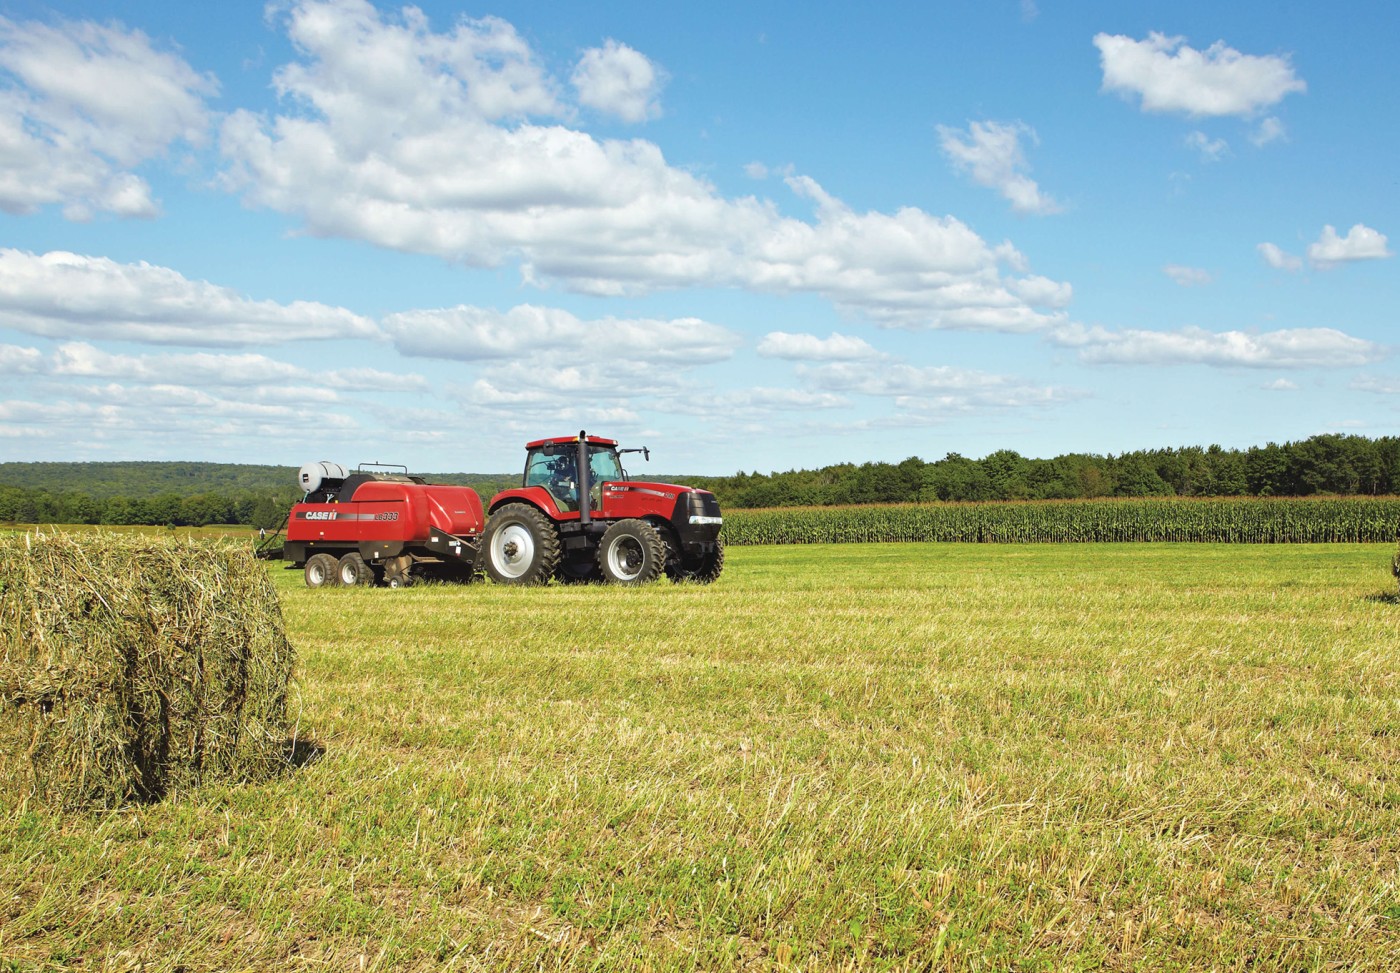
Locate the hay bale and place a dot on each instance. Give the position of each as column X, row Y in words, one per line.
column 131, row 666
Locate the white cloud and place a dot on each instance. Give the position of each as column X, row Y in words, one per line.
column 208, row 370
column 1211, row 150
column 1281, row 385
column 808, row 347
column 933, row 390
column 1188, row 276
column 1277, row 258
column 16, row 360
column 1269, row 130
column 1290, row 348
column 1388, row 385
column 66, row 295
column 620, row 81
column 991, row 153
column 153, row 420
column 80, row 105
column 1360, row 243
column 385, row 142
column 483, row 334
column 1173, row 77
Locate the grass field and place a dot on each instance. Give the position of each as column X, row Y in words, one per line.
column 855, row 756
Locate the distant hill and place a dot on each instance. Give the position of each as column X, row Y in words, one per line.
column 139, row 480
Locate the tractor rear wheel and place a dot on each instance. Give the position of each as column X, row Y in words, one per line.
column 520, row 545
column 632, row 552
column 321, row 571
column 353, row 570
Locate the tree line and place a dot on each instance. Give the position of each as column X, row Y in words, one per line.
column 186, row 494
column 1327, row 464
column 37, row 505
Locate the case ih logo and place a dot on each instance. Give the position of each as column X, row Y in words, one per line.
column 319, row 515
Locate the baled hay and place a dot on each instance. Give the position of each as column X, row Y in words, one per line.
column 131, row 666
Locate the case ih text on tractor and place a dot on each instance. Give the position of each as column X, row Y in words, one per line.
column 576, row 516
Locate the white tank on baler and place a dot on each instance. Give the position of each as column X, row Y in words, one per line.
column 315, row 476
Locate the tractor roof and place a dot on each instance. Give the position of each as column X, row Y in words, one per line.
column 563, row 440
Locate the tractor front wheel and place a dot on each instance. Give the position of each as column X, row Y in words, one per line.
column 632, row 552
column 704, row 569
column 520, row 545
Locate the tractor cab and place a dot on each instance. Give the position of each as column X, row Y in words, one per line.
column 553, row 464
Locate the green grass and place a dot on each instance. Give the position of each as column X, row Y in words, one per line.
column 854, row 756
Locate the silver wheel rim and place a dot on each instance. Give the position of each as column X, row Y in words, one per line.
column 625, row 558
column 317, row 574
column 349, row 575
column 513, row 550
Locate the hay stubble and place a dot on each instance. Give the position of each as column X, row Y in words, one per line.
column 900, row 756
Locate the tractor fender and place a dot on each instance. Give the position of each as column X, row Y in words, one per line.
column 535, row 496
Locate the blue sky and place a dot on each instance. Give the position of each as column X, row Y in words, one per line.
column 749, row 235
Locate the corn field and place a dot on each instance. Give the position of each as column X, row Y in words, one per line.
column 1229, row 520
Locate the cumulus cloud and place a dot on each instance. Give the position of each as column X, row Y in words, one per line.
column 1280, row 385
column 1170, row 76
column 1289, row 348
column 388, row 139
column 17, row 360
column 1188, row 276
column 1269, row 130
column 67, row 295
column 1211, row 150
column 549, row 334
column 1277, row 258
column 81, row 104
column 808, row 347
column 991, row 153
column 933, row 390
column 1360, row 243
column 208, row 370
column 617, row 80
column 1380, row 385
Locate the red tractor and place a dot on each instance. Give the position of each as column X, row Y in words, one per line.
column 576, row 516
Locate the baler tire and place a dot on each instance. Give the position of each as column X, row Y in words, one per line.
column 705, row 569
column 520, row 545
column 322, row 571
column 352, row 570
column 633, row 552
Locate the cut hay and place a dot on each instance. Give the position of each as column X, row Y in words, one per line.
column 133, row 666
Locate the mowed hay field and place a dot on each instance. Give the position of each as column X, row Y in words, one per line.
column 903, row 756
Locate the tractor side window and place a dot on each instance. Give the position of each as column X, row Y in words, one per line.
column 603, row 466
column 537, row 469
column 556, row 471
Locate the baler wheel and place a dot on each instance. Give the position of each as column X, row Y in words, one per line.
column 520, row 545
column 322, row 571
column 353, row 570
column 632, row 552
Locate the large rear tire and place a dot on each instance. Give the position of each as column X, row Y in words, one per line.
column 632, row 552
column 520, row 545
column 322, row 571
